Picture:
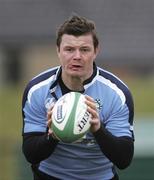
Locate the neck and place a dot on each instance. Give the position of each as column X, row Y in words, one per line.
column 73, row 83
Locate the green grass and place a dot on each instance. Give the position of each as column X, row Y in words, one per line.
column 10, row 112
column 140, row 169
column 142, row 90
column 10, row 130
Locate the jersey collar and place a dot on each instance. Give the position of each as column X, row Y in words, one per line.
column 86, row 83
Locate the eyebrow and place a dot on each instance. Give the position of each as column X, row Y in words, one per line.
column 72, row 46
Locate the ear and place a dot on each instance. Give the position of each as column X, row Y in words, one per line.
column 97, row 50
column 58, row 50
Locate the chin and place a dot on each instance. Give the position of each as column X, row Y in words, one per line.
column 76, row 75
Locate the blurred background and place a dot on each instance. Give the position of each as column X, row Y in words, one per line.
column 27, row 47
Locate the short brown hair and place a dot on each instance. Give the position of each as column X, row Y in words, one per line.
column 77, row 26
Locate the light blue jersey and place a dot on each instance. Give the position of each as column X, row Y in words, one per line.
column 82, row 160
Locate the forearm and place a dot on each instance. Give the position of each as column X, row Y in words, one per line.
column 118, row 150
column 37, row 146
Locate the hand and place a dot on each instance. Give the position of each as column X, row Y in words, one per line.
column 95, row 120
column 49, row 123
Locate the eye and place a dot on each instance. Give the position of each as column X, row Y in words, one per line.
column 69, row 49
column 85, row 49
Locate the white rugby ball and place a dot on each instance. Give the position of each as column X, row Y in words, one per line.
column 70, row 118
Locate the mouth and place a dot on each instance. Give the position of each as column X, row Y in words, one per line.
column 75, row 67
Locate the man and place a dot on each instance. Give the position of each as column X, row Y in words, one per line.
column 109, row 143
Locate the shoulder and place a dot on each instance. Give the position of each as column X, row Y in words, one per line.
column 43, row 76
column 113, row 82
column 40, row 82
column 118, row 87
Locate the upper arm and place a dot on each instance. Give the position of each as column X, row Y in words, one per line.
column 119, row 120
column 34, row 113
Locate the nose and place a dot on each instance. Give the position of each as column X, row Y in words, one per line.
column 77, row 54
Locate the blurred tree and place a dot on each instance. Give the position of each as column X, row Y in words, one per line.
column 12, row 65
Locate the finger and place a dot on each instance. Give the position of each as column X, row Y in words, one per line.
column 49, row 112
column 49, row 123
column 50, row 131
column 51, row 108
column 93, row 112
column 93, row 121
column 91, row 104
column 89, row 98
column 49, row 119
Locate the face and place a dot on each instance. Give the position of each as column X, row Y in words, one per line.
column 76, row 56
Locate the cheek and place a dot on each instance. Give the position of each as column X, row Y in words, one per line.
column 90, row 59
column 64, row 59
column 65, row 56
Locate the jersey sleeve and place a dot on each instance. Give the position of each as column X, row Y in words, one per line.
column 120, row 118
column 34, row 112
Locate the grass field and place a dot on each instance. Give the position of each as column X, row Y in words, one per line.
column 142, row 90
column 11, row 120
column 10, row 129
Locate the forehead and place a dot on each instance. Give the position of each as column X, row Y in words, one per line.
column 83, row 40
